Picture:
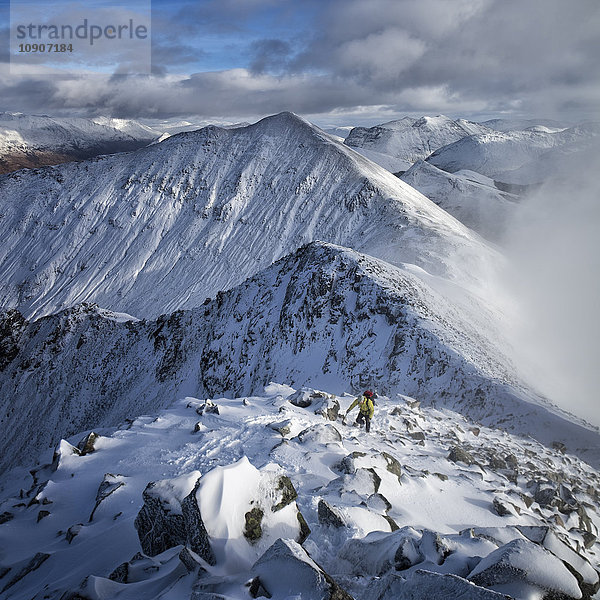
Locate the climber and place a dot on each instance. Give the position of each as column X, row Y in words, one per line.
column 366, row 409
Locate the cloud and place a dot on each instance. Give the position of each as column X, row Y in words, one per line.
column 554, row 251
column 250, row 58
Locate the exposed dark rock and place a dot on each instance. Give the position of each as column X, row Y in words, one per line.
column 458, row 454
column 330, row 409
column 393, row 525
column 189, row 561
column 257, row 590
column 417, row 436
column 282, row 427
column 35, row 563
column 110, row 484
column 252, row 528
column 393, row 466
column 303, row 398
column 208, row 408
column 288, row 493
column 433, row 547
column 5, row 517
column 328, row 516
column 195, row 531
column 559, row 446
column 42, row 514
column 87, row 445
column 441, row 476
column 504, row 508
column 72, row 532
column 121, row 573
column 304, row 528
column 161, row 526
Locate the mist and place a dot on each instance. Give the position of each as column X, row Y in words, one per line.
column 553, row 276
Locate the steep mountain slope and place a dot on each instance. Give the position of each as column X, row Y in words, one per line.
column 169, row 225
column 273, row 496
column 397, row 144
column 498, row 155
column 34, row 141
column 470, row 197
column 522, row 124
column 325, row 316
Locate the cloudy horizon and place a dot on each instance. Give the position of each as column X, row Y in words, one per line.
column 340, row 61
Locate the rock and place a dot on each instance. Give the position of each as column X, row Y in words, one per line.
column 393, row 466
column 328, row 516
column 441, row 476
column 35, row 563
column 475, row 431
column 458, row 454
column 5, row 517
column 329, row 409
column 167, row 520
column 63, row 449
column 121, row 573
column 72, row 532
column 536, row 571
column 286, row 488
column 497, row 463
column 425, row 585
column 303, row 577
column 433, row 547
column 580, row 567
column 559, row 446
column 320, row 434
column 282, row 427
column 252, row 528
column 504, row 509
column 257, row 590
column 87, row 444
column 304, row 528
column 417, row 435
column 208, row 408
column 110, row 484
column 190, row 560
column 42, row 514
column 304, row 397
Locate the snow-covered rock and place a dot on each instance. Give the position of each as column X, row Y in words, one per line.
column 287, row 571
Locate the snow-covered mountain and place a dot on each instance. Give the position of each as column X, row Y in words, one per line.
column 34, row 141
column 325, row 316
column 171, row 224
column 272, row 496
column 397, row 144
column 500, row 155
column 473, row 199
column 522, row 124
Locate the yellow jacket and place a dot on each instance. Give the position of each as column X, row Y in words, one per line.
column 365, row 404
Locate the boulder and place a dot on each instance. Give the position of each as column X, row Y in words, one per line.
column 393, row 466
column 110, row 484
column 304, row 397
column 87, row 444
column 303, row 578
column 320, row 434
column 328, row 516
column 208, row 408
column 328, row 408
column 171, row 517
column 528, row 566
column 458, row 454
column 425, row 585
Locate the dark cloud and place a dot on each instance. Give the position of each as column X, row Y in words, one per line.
column 368, row 57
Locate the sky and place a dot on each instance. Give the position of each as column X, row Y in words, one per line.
column 333, row 61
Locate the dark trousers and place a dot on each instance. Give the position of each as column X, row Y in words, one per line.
column 366, row 419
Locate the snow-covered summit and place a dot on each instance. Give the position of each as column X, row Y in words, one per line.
column 407, row 140
column 36, row 140
column 499, row 154
column 165, row 227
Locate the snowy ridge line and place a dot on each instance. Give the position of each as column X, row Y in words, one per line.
column 325, row 316
column 127, row 231
column 273, row 495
